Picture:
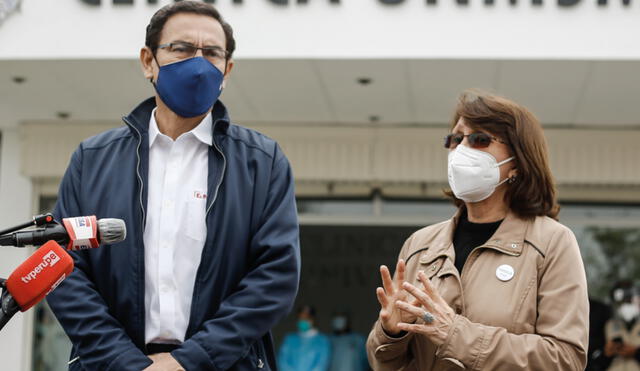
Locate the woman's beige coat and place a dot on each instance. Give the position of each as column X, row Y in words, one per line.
column 536, row 320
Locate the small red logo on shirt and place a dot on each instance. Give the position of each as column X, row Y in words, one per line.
column 200, row 195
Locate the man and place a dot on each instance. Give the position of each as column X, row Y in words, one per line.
column 211, row 261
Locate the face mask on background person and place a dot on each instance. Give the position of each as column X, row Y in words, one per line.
column 304, row 325
column 189, row 87
column 339, row 323
column 628, row 311
column 473, row 174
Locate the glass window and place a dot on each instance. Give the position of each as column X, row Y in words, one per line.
column 609, row 240
column 51, row 346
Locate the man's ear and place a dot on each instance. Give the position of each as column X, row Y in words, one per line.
column 146, row 62
column 227, row 72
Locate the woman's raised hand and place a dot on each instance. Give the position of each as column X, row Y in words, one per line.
column 390, row 314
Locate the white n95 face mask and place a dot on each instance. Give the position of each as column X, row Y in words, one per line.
column 628, row 311
column 473, row 174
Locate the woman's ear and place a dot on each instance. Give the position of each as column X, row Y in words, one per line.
column 512, row 176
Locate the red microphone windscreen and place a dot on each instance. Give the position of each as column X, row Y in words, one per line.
column 83, row 232
column 39, row 275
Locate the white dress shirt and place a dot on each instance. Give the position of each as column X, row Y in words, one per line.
column 175, row 229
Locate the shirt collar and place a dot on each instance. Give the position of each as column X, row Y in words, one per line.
column 203, row 132
column 153, row 128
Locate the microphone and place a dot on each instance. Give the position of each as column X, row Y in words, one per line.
column 28, row 284
column 79, row 233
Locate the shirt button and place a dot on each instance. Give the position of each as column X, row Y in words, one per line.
column 168, row 204
column 164, row 289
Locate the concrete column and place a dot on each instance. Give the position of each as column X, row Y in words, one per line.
column 15, row 207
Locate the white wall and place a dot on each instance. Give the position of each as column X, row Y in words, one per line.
column 16, row 208
column 45, row 29
column 400, row 161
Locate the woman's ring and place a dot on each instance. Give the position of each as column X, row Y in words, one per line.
column 428, row 317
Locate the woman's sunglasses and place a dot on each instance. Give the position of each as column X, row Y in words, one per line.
column 476, row 140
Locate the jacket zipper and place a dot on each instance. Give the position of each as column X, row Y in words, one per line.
column 464, row 269
column 144, row 215
column 224, row 169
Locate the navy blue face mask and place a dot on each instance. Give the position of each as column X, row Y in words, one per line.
column 189, row 87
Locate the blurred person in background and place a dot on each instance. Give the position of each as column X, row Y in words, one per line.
column 501, row 285
column 599, row 315
column 348, row 349
column 622, row 331
column 211, row 261
column 307, row 349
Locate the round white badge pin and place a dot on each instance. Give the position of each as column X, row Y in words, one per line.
column 505, row 272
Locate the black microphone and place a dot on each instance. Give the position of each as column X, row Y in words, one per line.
column 8, row 306
column 77, row 233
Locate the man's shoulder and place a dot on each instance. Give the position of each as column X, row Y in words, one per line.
column 106, row 138
column 252, row 139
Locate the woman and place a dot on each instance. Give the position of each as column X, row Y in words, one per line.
column 501, row 285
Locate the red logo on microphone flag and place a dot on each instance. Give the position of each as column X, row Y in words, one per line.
column 39, row 274
column 83, row 232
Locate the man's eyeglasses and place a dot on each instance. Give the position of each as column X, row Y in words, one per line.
column 183, row 50
column 476, row 140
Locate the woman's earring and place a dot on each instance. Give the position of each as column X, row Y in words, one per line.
column 511, row 180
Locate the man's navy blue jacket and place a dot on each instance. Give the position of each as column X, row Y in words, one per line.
column 250, row 267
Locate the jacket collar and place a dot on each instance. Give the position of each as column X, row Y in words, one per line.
column 510, row 236
column 508, row 239
column 140, row 116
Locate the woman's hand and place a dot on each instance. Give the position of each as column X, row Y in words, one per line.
column 390, row 314
column 430, row 301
